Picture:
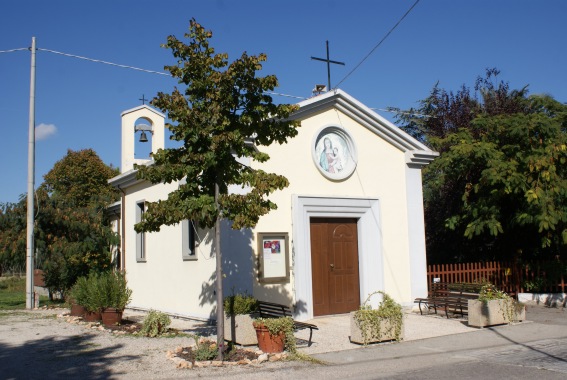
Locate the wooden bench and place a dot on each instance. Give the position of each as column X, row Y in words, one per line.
column 449, row 297
column 275, row 310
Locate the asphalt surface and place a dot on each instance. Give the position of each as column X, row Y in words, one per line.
column 41, row 348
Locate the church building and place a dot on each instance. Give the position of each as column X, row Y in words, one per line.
column 350, row 222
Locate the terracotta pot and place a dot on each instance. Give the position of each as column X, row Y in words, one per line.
column 267, row 342
column 77, row 310
column 92, row 316
column 111, row 316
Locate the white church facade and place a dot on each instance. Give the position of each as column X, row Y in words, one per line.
column 350, row 222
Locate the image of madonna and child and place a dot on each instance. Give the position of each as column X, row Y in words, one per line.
column 330, row 160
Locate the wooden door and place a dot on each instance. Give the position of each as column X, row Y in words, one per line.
column 334, row 265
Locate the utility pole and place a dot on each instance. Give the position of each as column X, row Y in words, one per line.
column 328, row 66
column 220, row 298
column 30, row 295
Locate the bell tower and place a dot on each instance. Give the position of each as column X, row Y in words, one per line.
column 147, row 124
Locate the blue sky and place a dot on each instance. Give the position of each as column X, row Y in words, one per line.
column 78, row 103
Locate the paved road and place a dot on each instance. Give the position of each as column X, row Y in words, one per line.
column 531, row 350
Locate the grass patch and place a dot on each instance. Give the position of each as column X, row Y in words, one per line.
column 13, row 294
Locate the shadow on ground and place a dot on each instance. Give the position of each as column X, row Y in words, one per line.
column 52, row 357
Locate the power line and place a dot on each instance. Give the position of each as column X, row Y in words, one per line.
column 13, row 50
column 105, row 62
column 162, row 73
column 286, row 95
column 378, row 44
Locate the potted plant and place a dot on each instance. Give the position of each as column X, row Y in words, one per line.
column 91, row 299
column 78, row 297
column 369, row 325
column 494, row 307
column 240, row 310
column 275, row 334
column 113, row 296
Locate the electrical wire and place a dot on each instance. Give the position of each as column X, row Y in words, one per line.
column 105, row 62
column 13, row 50
column 286, row 95
column 378, row 44
column 139, row 69
column 166, row 74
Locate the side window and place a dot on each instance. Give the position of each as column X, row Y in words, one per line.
column 140, row 237
column 188, row 240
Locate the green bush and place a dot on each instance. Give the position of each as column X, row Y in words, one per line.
column 369, row 320
column 90, row 297
column 510, row 306
column 102, row 290
column 113, row 291
column 155, row 323
column 80, row 291
column 278, row 325
column 238, row 304
column 205, row 349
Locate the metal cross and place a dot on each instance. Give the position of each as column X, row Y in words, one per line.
column 328, row 66
column 143, row 99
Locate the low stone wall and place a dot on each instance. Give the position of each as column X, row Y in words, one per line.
column 549, row 299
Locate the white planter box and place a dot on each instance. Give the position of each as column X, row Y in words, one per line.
column 492, row 312
column 239, row 329
column 387, row 332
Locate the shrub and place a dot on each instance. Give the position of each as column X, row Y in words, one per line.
column 80, row 291
column 91, row 297
column 102, row 290
column 240, row 304
column 277, row 325
column 155, row 323
column 205, row 349
column 113, row 291
column 510, row 307
column 369, row 320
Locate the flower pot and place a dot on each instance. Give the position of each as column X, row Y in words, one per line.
column 239, row 329
column 387, row 332
column 267, row 342
column 77, row 310
column 494, row 312
column 111, row 316
column 91, row 316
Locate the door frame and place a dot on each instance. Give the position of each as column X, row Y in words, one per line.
column 370, row 257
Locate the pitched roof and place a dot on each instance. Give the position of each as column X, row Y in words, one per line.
column 416, row 152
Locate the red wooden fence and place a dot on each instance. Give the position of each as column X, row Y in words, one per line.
column 509, row 277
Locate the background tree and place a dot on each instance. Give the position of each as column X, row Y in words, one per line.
column 73, row 234
column 223, row 107
column 13, row 236
column 499, row 188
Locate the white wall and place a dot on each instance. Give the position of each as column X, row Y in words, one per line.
column 165, row 281
column 380, row 174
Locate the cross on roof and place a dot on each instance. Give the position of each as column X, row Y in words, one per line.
column 143, row 99
column 328, row 66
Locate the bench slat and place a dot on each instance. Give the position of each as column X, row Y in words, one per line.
column 275, row 310
column 449, row 296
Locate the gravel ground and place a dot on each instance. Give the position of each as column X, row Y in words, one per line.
column 38, row 345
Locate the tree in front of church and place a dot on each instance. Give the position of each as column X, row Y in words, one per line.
column 499, row 188
column 222, row 112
